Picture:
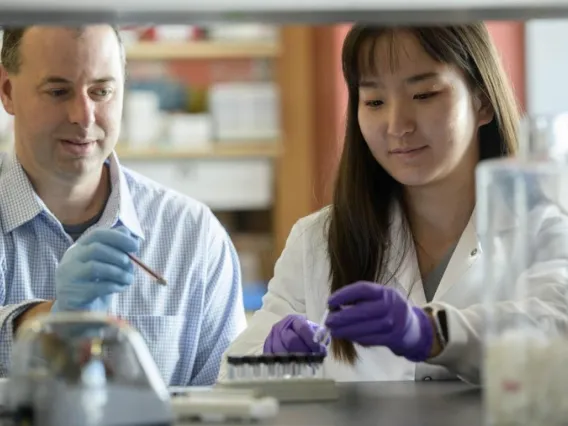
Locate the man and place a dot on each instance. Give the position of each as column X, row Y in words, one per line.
column 64, row 186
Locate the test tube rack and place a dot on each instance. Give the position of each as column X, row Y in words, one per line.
column 286, row 377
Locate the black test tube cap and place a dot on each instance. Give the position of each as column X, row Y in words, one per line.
column 234, row 360
column 248, row 359
column 267, row 359
column 297, row 357
column 283, row 358
column 315, row 358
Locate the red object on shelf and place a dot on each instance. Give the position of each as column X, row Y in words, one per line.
column 148, row 34
column 199, row 33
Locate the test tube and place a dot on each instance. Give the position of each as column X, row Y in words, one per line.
column 319, row 358
column 270, row 366
column 314, row 362
column 231, row 367
column 286, row 366
column 292, row 371
column 282, row 364
column 263, row 367
column 256, row 368
column 302, row 366
column 322, row 333
column 235, row 367
column 310, row 365
column 246, row 372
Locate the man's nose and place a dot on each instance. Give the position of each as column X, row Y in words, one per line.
column 81, row 111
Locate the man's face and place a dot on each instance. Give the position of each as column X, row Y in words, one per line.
column 66, row 100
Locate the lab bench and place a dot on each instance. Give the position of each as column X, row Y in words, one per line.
column 430, row 403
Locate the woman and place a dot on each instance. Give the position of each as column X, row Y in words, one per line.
column 396, row 257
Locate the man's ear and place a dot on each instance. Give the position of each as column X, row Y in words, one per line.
column 6, row 90
column 484, row 110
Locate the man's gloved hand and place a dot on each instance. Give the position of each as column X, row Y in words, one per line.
column 370, row 314
column 93, row 269
column 293, row 334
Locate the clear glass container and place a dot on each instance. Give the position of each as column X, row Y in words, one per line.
column 87, row 369
column 523, row 230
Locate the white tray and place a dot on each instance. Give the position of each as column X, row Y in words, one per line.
column 289, row 390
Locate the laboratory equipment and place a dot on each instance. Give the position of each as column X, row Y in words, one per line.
column 526, row 342
column 84, row 369
column 286, row 377
column 322, row 335
column 274, row 367
column 223, row 405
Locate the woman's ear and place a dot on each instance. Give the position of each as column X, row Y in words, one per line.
column 483, row 109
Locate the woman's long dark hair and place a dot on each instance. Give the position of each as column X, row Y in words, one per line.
column 359, row 223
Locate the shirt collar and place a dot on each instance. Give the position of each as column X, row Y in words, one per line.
column 120, row 206
column 20, row 203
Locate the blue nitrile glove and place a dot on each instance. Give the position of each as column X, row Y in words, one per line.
column 293, row 334
column 94, row 268
column 374, row 315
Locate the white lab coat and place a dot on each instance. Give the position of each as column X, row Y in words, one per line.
column 301, row 286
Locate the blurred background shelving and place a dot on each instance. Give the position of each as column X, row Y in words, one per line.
column 271, row 149
column 202, row 50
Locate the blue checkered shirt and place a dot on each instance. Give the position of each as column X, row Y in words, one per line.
column 187, row 324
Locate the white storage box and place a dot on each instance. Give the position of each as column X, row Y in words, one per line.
column 246, row 184
column 245, row 111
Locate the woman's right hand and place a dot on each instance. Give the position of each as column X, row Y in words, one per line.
column 293, row 334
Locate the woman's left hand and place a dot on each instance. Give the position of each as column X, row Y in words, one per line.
column 371, row 314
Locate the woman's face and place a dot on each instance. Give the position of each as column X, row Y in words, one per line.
column 418, row 116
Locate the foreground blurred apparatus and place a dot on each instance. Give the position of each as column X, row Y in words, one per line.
column 526, row 344
column 80, row 368
column 74, row 369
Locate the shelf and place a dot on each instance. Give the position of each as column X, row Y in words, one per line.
column 268, row 149
column 201, row 50
column 64, row 12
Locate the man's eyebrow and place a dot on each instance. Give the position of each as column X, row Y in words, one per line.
column 62, row 80
column 54, row 79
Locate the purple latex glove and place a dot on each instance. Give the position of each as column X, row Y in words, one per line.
column 293, row 334
column 374, row 315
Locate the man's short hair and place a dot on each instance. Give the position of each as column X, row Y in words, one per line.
column 10, row 55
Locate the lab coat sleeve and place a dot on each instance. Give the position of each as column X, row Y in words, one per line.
column 285, row 296
column 545, row 303
column 223, row 317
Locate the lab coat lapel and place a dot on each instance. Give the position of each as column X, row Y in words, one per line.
column 465, row 254
column 402, row 264
column 469, row 248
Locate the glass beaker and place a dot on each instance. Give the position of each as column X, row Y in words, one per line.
column 523, row 230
